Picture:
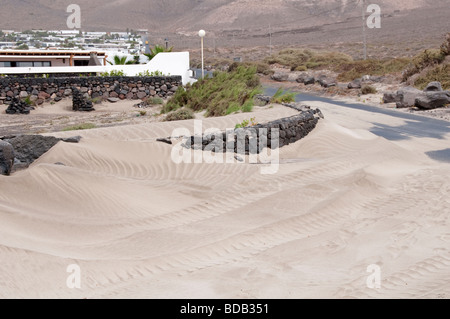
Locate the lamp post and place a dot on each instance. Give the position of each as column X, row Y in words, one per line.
column 364, row 29
column 202, row 34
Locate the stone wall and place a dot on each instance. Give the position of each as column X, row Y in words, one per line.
column 55, row 89
column 252, row 140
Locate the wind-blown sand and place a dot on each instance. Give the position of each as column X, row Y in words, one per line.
column 139, row 225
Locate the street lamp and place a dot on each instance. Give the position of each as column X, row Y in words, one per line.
column 202, row 34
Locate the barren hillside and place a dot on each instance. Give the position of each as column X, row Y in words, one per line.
column 407, row 24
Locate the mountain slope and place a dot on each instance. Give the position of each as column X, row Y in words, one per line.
column 171, row 15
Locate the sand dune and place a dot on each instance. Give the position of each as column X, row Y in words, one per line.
column 139, row 225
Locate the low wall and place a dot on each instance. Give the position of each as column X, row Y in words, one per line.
column 55, row 89
column 252, row 140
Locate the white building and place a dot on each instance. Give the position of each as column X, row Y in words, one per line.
column 168, row 63
column 47, row 58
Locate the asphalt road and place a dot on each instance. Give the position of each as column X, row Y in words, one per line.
column 415, row 125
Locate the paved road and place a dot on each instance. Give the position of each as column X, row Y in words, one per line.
column 415, row 125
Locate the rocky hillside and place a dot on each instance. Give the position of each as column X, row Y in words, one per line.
column 188, row 15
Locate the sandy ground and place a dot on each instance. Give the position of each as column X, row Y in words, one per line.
column 139, row 225
column 59, row 116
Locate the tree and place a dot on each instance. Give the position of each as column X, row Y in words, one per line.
column 156, row 50
column 22, row 47
column 120, row 60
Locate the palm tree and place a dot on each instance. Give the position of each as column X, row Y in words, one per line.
column 156, row 50
column 120, row 60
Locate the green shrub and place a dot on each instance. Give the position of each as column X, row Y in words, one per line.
column 283, row 97
column 423, row 60
column 96, row 100
column 357, row 69
column 155, row 101
column 220, row 95
column 180, row 115
column 261, row 67
column 301, row 68
column 368, row 89
column 248, row 106
column 179, row 99
column 427, row 58
column 147, row 73
column 79, row 127
column 233, row 108
column 113, row 73
column 247, row 123
column 440, row 73
column 28, row 101
column 301, row 60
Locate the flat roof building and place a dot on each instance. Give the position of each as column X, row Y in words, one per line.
column 48, row 58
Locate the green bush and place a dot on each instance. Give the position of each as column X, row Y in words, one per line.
column 368, row 89
column 423, row 60
column 220, row 95
column 180, row 115
column 283, row 97
column 357, row 69
column 440, row 73
column 113, row 73
column 96, row 100
column 247, row 123
column 147, row 73
column 79, row 127
column 248, row 106
column 301, row 60
column 261, row 67
column 155, row 101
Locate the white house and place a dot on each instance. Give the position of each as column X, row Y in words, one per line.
column 10, row 59
column 168, row 63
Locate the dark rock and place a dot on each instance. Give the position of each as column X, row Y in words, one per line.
column 391, row 98
column 6, row 158
column 28, row 148
column 407, row 97
column 434, row 87
column 80, row 103
column 113, row 99
column 280, row 77
column 141, row 95
column 433, row 100
column 73, row 139
column 309, row 80
column 18, row 107
column 355, row 84
column 302, row 77
column 263, row 99
column 326, row 82
column 43, row 96
column 164, row 140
